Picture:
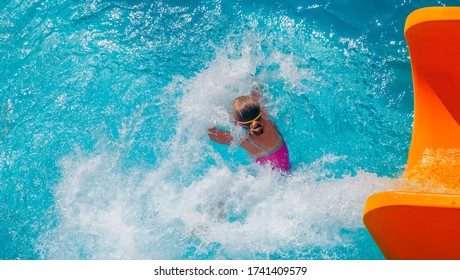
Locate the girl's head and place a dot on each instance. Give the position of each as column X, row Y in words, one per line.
column 247, row 114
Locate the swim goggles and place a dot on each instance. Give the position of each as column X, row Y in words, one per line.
column 248, row 122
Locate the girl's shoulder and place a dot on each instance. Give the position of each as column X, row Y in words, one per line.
column 271, row 125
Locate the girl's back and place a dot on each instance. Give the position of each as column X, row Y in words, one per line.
column 268, row 141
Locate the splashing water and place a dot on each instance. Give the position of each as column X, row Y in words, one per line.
column 105, row 107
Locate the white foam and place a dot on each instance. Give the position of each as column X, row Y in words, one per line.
column 272, row 210
column 109, row 214
column 187, row 207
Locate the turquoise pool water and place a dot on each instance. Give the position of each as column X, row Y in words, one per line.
column 104, row 107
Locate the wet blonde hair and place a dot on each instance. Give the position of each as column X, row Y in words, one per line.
column 246, row 109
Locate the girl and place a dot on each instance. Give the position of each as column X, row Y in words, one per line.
column 263, row 140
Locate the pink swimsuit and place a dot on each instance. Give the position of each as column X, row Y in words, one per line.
column 279, row 158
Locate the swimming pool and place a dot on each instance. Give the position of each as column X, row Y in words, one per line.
column 104, row 107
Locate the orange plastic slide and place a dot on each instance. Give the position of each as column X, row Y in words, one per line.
column 426, row 225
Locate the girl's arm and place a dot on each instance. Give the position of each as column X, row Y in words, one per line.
column 255, row 94
column 220, row 136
